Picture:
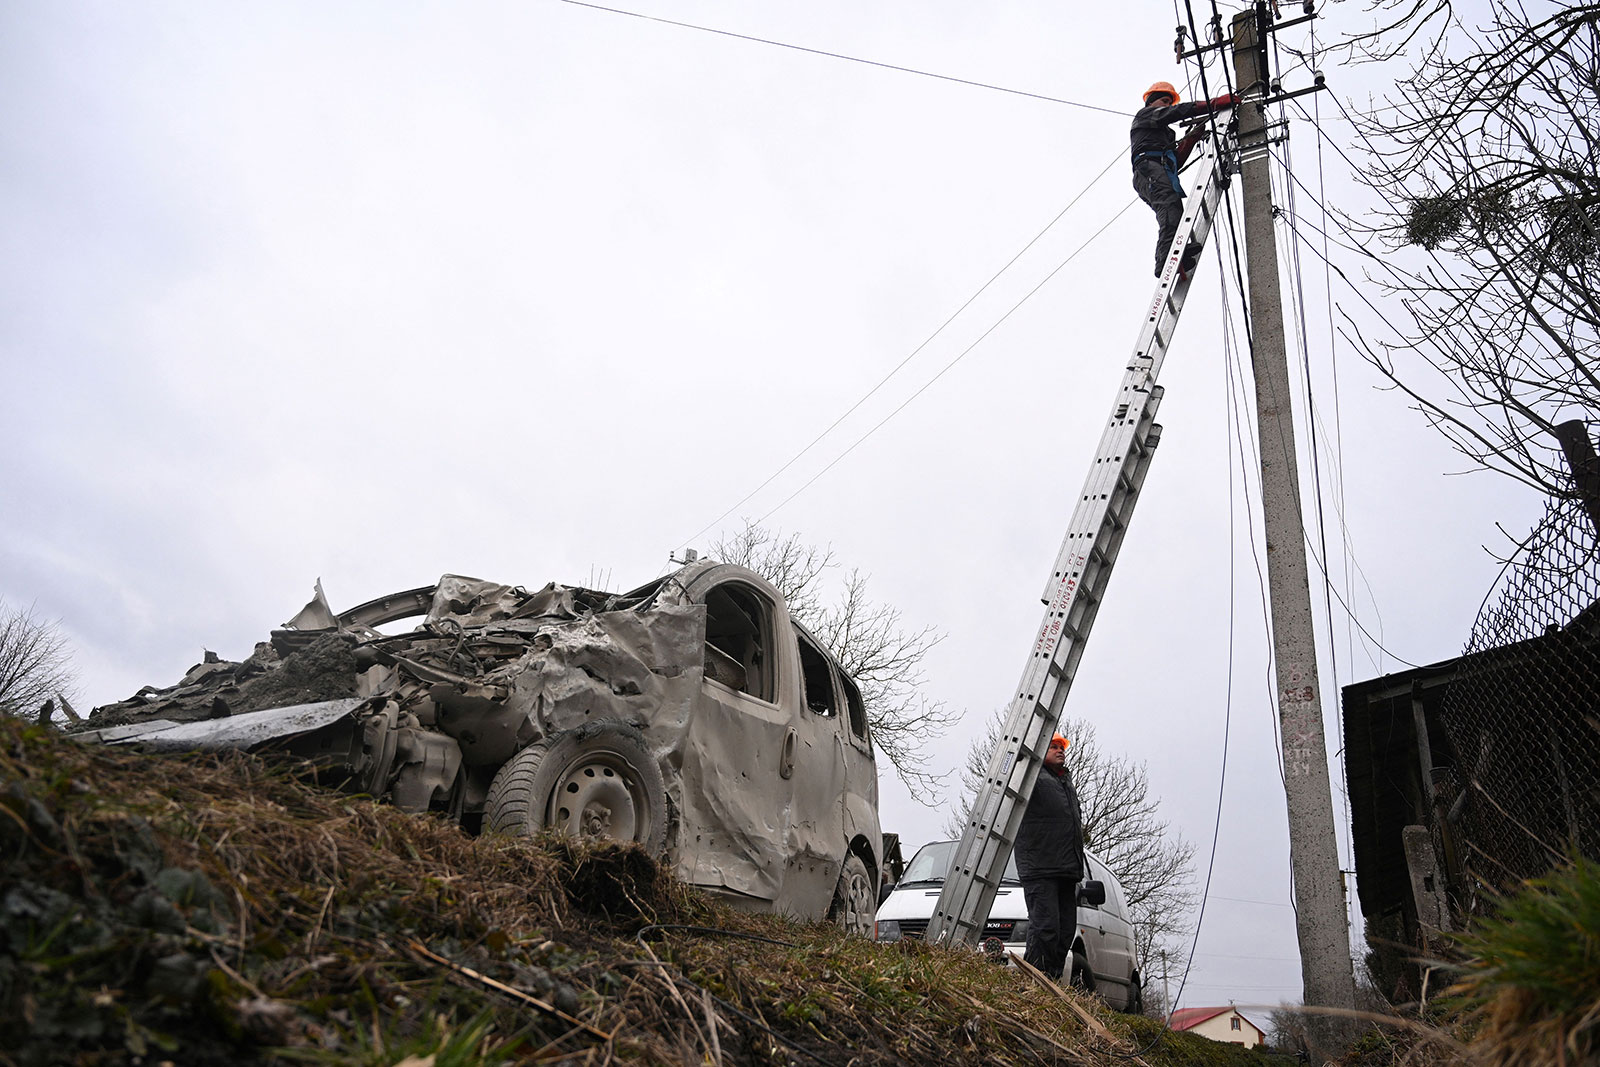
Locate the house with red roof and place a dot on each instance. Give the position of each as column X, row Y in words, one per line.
column 1219, row 1024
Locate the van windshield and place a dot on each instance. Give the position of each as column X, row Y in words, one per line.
column 932, row 863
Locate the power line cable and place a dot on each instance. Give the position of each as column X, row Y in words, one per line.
column 1283, row 448
column 1314, row 418
column 1303, row 341
column 1338, row 419
column 1222, row 774
column 897, row 367
column 1339, row 502
column 959, row 357
column 1243, row 432
column 1229, row 364
column 1355, row 247
column 1438, row 263
column 848, row 59
column 1349, row 611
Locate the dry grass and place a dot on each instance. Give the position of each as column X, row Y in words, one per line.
column 217, row 909
column 1531, row 986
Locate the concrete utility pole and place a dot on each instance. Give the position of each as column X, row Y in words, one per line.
column 1313, row 848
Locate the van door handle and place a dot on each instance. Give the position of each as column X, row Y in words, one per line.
column 786, row 761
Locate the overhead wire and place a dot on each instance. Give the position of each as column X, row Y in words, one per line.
column 1320, row 563
column 1243, row 433
column 1333, row 360
column 1299, row 306
column 1386, row 263
column 1339, row 486
column 1227, row 730
column 1287, row 457
column 1222, row 775
column 849, row 59
column 913, row 354
column 1335, row 269
column 1228, row 701
column 1233, row 234
column 1314, row 451
column 1232, row 228
column 1249, row 455
column 1438, row 263
column 943, row 370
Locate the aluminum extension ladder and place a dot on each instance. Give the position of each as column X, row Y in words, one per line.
column 1073, row 594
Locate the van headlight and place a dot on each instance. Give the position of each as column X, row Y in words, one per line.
column 886, row 930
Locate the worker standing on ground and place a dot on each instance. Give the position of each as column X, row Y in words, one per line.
column 1051, row 863
column 1158, row 156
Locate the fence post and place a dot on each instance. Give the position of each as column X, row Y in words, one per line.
column 1584, row 464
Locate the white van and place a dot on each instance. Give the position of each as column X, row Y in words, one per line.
column 1102, row 952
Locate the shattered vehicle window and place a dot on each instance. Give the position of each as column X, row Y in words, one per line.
column 818, row 677
column 858, row 710
column 739, row 641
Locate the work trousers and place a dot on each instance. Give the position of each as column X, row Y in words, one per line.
column 1157, row 187
column 1052, row 922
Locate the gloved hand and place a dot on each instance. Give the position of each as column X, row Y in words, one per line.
column 1225, row 100
column 1186, row 145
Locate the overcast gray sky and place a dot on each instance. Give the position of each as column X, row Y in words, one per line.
column 532, row 291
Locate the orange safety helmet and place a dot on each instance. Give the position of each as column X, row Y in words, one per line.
column 1162, row 87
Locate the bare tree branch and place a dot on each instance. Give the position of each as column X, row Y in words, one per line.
column 870, row 640
column 1490, row 166
column 35, row 668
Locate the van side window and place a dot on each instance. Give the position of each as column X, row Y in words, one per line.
column 858, row 710
column 818, row 678
column 739, row 641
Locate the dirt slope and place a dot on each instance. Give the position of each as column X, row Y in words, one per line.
column 220, row 910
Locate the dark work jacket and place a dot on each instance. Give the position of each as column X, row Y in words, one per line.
column 1050, row 839
column 1152, row 129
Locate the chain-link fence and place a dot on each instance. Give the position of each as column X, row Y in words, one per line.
column 1523, row 714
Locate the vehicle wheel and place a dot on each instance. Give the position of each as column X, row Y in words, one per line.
column 595, row 781
column 853, row 898
column 1135, row 995
column 1080, row 975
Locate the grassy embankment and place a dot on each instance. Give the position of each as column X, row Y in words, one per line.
column 217, row 909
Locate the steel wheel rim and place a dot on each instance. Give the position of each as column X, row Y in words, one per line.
column 598, row 795
column 859, row 905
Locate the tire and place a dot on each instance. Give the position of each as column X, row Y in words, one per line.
column 597, row 781
column 854, row 898
column 1135, row 995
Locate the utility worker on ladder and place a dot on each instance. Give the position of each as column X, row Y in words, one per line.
column 1158, row 155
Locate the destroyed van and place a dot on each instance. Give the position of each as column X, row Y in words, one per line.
column 693, row 715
